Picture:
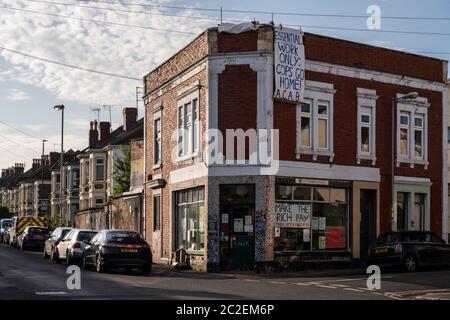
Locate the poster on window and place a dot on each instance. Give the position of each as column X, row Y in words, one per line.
column 292, row 215
column 289, row 64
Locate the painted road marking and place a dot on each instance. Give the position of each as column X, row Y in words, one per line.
column 352, row 289
column 324, row 286
column 50, row 293
column 252, row 280
column 277, row 282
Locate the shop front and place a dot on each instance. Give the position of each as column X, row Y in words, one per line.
column 312, row 221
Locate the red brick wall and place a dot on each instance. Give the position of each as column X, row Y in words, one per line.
column 237, row 100
column 359, row 55
column 192, row 53
column 345, row 137
column 243, row 42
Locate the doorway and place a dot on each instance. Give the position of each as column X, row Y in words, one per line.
column 237, row 220
column 368, row 220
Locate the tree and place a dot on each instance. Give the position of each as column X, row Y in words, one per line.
column 122, row 171
column 4, row 213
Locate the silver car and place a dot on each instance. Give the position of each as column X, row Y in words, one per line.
column 71, row 247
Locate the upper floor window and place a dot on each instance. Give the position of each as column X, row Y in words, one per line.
column 157, row 141
column 315, row 121
column 188, row 124
column 412, row 131
column 366, row 134
column 99, row 169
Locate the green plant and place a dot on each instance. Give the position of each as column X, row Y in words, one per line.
column 122, row 171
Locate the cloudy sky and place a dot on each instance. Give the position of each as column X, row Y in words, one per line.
column 135, row 39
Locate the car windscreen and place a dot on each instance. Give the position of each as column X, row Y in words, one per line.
column 85, row 236
column 6, row 224
column 38, row 231
column 124, row 237
column 64, row 232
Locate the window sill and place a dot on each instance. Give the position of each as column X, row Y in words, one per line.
column 314, row 153
column 190, row 156
column 412, row 162
column 360, row 157
column 157, row 166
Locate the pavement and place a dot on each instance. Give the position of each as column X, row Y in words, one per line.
column 27, row 275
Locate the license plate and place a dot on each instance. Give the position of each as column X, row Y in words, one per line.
column 381, row 250
column 127, row 250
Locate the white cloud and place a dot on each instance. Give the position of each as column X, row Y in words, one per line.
column 110, row 48
column 17, row 95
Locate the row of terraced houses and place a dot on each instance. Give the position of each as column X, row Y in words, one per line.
column 364, row 152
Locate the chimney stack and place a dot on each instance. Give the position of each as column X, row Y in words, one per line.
column 19, row 168
column 129, row 118
column 36, row 163
column 54, row 157
column 104, row 130
column 93, row 133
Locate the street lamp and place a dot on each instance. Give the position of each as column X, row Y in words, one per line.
column 407, row 96
column 61, row 108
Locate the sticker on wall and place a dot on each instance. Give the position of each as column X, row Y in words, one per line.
column 277, row 232
column 315, row 223
column 322, row 242
column 248, row 228
column 238, row 225
column 306, row 235
column 224, row 217
column 248, row 219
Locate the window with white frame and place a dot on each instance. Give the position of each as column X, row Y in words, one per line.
column 188, row 126
column 366, row 131
column 315, row 121
column 99, row 169
column 412, row 132
column 157, row 141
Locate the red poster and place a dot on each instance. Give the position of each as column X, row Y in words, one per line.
column 336, row 238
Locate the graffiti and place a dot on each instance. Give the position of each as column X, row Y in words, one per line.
column 260, row 233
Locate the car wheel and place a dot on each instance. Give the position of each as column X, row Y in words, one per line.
column 55, row 257
column 410, row 263
column 68, row 259
column 99, row 265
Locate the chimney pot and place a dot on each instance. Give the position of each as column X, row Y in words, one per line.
column 93, row 133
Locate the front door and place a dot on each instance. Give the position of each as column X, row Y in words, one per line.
column 367, row 232
column 237, row 220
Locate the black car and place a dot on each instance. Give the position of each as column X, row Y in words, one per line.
column 50, row 245
column 118, row 248
column 33, row 237
column 409, row 249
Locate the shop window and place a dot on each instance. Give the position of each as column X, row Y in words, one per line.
column 190, row 219
column 310, row 218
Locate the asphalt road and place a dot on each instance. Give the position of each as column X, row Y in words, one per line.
column 26, row 275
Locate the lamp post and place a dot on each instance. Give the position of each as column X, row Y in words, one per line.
column 408, row 96
column 61, row 108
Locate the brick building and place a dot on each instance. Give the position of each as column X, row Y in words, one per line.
column 365, row 152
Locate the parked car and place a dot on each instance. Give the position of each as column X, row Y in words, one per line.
column 409, row 249
column 50, row 245
column 33, row 237
column 19, row 224
column 4, row 225
column 71, row 247
column 118, row 248
column 6, row 235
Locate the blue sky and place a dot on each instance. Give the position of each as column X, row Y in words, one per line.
column 29, row 88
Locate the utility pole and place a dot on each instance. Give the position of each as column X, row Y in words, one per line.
column 42, row 177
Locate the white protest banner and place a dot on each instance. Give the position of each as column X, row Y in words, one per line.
column 289, row 65
column 292, row 215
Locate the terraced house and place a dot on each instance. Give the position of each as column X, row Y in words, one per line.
column 363, row 152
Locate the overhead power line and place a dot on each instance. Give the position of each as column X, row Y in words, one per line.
column 18, row 144
column 96, row 21
column 193, row 33
column 261, row 12
column 70, row 65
